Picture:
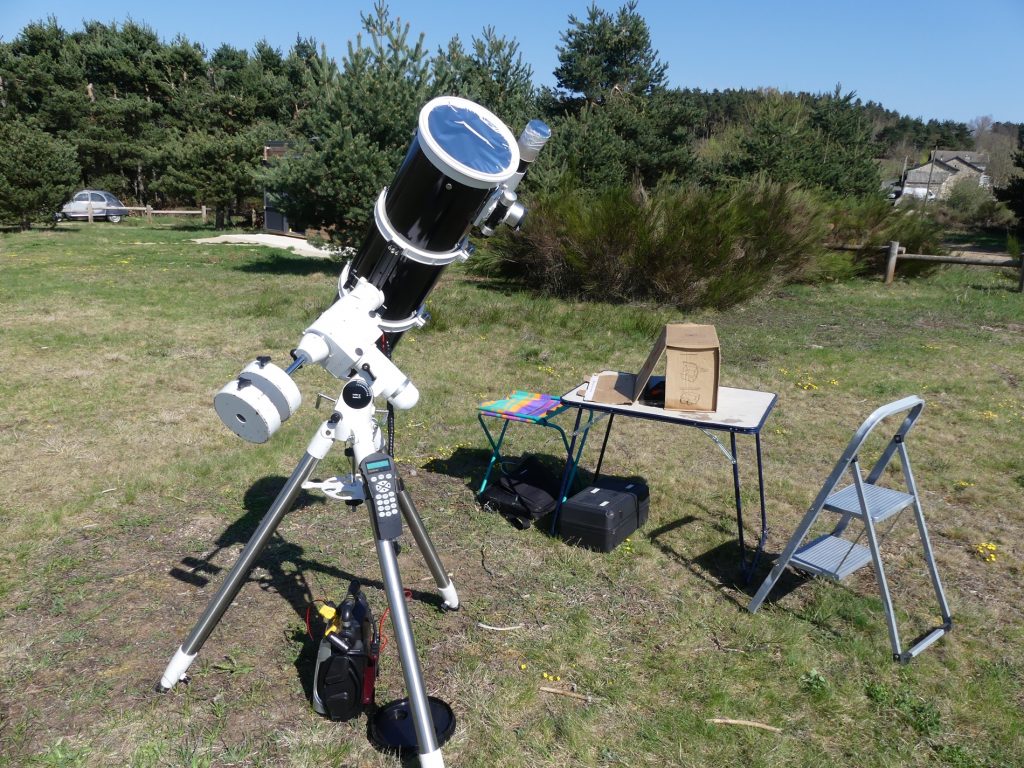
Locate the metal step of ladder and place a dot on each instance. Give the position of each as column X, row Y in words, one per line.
column 835, row 557
column 882, row 503
column 832, row 557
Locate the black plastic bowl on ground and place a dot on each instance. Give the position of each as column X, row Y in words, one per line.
column 392, row 728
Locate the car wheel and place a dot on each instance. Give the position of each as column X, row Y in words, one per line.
column 113, row 219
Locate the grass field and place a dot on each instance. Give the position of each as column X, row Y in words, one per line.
column 124, row 500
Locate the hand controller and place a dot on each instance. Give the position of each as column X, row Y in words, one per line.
column 381, row 477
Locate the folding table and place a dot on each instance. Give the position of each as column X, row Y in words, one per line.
column 740, row 411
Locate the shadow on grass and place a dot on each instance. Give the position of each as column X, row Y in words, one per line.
column 1008, row 288
column 470, row 466
column 283, row 566
column 722, row 567
column 718, row 567
column 285, row 263
column 466, row 464
column 195, row 225
column 61, row 228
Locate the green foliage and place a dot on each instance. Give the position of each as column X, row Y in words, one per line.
column 37, row 174
column 685, row 246
column 492, row 72
column 923, row 716
column 823, row 142
column 1013, row 193
column 609, row 54
column 971, row 205
column 354, row 136
column 169, row 124
column 219, row 169
column 870, row 224
column 916, row 228
column 861, row 221
column 613, row 121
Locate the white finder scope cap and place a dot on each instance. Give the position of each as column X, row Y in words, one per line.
column 254, row 405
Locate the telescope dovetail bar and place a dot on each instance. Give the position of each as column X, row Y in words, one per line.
column 460, row 171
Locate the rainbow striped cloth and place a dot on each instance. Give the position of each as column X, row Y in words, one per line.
column 523, row 406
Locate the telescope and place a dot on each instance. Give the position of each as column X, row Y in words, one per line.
column 461, row 171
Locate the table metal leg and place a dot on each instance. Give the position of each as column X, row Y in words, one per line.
column 572, row 456
column 739, row 498
column 604, row 444
column 764, row 515
column 570, row 463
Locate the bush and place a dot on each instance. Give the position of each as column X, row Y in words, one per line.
column 686, row 246
column 969, row 205
column 915, row 227
column 871, row 223
column 37, row 174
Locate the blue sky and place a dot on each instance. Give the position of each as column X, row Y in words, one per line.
column 925, row 58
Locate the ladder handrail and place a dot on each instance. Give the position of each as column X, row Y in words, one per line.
column 915, row 405
column 912, row 403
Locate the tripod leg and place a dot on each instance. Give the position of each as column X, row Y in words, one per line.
column 426, row 738
column 412, row 518
column 219, row 603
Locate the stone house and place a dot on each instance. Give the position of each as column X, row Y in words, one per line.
column 944, row 170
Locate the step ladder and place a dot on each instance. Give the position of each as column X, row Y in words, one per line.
column 835, row 556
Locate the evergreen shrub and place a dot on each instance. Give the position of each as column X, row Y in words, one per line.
column 871, row 223
column 683, row 245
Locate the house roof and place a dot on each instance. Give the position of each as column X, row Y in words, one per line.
column 978, row 159
column 934, row 172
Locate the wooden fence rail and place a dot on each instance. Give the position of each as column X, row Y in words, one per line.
column 150, row 213
column 896, row 253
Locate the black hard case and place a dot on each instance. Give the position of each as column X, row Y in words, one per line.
column 634, row 486
column 600, row 518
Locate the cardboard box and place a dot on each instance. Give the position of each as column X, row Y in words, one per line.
column 691, row 376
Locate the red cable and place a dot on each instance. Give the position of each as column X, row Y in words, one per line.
column 380, row 625
column 309, row 611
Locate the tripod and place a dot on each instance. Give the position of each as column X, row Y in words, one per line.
column 377, row 482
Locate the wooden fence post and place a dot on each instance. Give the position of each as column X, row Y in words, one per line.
column 149, row 215
column 88, row 209
column 1020, row 282
column 890, row 268
column 204, row 214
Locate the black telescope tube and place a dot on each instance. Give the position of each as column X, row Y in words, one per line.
column 460, row 155
column 428, row 209
column 405, row 283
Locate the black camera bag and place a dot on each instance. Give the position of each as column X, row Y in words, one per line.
column 524, row 494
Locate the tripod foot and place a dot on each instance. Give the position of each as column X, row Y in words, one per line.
column 451, row 597
column 176, row 670
column 432, row 760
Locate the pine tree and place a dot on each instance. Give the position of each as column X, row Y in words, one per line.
column 614, row 121
column 354, row 135
column 608, row 54
column 37, row 173
column 1013, row 193
column 492, row 73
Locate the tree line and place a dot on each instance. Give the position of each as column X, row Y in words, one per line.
column 167, row 123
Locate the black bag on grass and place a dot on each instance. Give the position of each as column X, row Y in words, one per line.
column 523, row 495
